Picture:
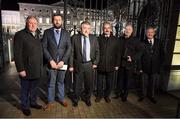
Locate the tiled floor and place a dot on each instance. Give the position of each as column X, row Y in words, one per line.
column 9, row 104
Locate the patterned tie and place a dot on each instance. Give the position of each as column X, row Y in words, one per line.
column 84, row 50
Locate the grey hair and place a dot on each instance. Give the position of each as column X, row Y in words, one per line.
column 30, row 17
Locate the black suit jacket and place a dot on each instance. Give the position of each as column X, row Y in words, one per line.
column 52, row 51
column 152, row 58
column 109, row 53
column 76, row 59
column 130, row 47
column 28, row 53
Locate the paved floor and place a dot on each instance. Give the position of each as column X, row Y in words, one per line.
column 9, row 104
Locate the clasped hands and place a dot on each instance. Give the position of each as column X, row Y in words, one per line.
column 55, row 65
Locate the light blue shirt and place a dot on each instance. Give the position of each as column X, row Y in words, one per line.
column 57, row 35
column 87, row 47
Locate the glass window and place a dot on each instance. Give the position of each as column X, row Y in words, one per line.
column 176, row 53
column 175, row 60
column 177, row 47
column 178, row 33
column 54, row 11
column 61, row 12
column 47, row 20
column 40, row 20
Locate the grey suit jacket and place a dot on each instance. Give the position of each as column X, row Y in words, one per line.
column 76, row 59
column 52, row 51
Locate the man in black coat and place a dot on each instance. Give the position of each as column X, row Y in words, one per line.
column 130, row 51
column 84, row 58
column 28, row 57
column 108, row 63
column 151, row 62
column 57, row 48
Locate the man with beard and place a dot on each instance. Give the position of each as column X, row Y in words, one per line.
column 57, row 48
column 108, row 46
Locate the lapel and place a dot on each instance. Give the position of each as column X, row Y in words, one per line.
column 91, row 43
column 53, row 37
column 61, row 37
column 155, row 43
column 79, row 44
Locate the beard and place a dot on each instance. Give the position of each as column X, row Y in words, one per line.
column 57, row 26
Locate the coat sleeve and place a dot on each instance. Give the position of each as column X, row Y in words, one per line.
column 68, row 48
column 162, row 51
column 47, row 55
column 18, row 52
column 142, row 52
column 97, row 52
column 118, row 52
column 71, row 63
column 139, row 49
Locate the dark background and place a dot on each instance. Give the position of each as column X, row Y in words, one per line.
column 13, row 4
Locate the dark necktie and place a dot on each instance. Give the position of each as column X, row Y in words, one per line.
column 150, row 42
column 57, row 31
column 151, row 47
column 84, row 50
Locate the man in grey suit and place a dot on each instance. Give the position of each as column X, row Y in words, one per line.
column 84, row 58
column 57, row 48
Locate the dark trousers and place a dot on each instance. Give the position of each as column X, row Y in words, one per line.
column 84, row 80
column 148, row 83
column 68, row 82
column 28, row 92
column 108, row 78
column 125, row 77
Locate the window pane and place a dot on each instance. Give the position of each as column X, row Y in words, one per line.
column 177, row 47
column 178, row 33
column 175, row 60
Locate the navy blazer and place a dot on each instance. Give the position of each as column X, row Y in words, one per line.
column 52, row 51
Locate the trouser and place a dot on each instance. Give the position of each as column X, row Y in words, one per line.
column 108, row 78
column 84, row 78
column 28, row 92
column 56, row 77
column 125, row 77
column 148, row 83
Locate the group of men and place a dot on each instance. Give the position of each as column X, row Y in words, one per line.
column 83, row 53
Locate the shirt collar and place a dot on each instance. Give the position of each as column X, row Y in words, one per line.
column 152, row 40
column 57, row 29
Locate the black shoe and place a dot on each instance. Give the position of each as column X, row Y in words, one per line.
column 26, row 112
column 116, row 97
column 124, row 99
column 88, row 102
column 140, row 99
column 98, row 99
column 107, row 99
column 75, row 102
column 152, row 100
column 36, row 106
